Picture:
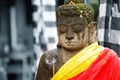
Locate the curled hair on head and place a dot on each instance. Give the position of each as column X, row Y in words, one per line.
column 81, row 10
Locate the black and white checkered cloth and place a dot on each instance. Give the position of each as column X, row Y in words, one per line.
column 109, row 24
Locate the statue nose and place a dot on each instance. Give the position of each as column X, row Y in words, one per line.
column 69, row 34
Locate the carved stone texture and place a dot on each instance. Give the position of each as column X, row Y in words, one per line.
column 75, row 32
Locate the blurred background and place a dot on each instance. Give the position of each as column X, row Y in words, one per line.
column 27, row 29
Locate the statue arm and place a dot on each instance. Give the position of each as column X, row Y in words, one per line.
column 44, row 72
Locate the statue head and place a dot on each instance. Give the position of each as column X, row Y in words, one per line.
column 74, row 20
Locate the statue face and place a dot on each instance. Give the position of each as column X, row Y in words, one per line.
column 72, row 33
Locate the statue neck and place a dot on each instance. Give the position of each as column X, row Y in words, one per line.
column 67, row 54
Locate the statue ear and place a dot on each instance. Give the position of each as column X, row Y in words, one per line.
column 58, row 44
column 92, row 30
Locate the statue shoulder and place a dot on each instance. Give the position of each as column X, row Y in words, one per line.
column 52, row 52
column 50, row 55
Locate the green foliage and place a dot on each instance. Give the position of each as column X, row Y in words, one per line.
column 94, row 4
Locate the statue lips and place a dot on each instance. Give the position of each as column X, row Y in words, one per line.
column 70, row 43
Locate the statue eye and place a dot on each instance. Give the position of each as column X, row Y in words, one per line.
column 78, row 28
column 62, row 28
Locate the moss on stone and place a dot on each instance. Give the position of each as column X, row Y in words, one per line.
column 80, row 10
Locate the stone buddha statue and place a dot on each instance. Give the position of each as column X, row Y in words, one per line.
column 76, row 30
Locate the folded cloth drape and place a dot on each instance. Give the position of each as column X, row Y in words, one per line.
column 79, row 63
column 105, row 67
column 92, row 63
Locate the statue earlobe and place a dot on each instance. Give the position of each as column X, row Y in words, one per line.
column 59, row 45
column 92, row 30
